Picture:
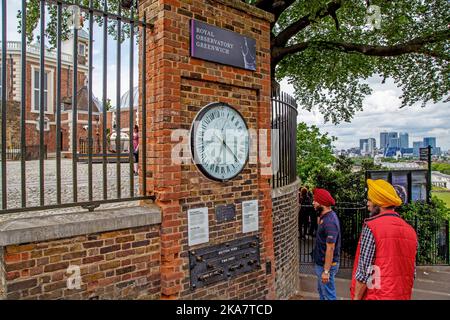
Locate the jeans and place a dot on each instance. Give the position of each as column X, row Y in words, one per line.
column 327, row 291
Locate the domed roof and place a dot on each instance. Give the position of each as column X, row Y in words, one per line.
column 125, row 100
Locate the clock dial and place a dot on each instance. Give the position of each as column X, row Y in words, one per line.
column 220, row 141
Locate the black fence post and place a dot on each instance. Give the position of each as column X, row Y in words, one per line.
column 447, row 235
column 429, row 175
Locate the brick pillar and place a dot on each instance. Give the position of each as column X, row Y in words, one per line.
column 177, row 86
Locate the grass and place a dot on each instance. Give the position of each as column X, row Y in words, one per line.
column 444, row 196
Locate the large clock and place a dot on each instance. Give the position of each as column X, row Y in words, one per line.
column 219, row 141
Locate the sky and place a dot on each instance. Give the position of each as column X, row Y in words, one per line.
column 377, row 116
column 381, row 112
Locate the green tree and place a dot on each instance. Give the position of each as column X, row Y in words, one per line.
column 314, row 152
column 430, row 221
column 327, row 48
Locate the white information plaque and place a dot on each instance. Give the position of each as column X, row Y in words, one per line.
column 198, row 227
column 250, row 220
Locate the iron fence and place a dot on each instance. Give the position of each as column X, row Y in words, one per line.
column 433, row 235
column 95, row 9
column 284, row 142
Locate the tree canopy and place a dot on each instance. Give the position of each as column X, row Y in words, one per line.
column 328, row 49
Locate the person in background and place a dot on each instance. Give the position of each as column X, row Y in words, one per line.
column 328, row 244
column 305, row 202
column 384, row 267
column 136, row 149
column 312, row 213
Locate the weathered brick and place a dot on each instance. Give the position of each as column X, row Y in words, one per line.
column 20, row 265
column 54, row 251
column 140, row 243
column 55, row 286
column 22, row 285
column 12, row 257
column 93, row 244
column 20, row 248
column 74, row 255
column 56, row 266
column 109, row 249
column 125, row 239
column 125, row 270
column 109, row 265
column 93, row 259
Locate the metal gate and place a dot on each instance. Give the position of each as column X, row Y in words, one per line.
column 111, row 20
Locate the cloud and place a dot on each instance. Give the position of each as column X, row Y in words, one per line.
column 382, row 113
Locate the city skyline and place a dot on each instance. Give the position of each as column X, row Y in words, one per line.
column 382, row 113
column 406, row 143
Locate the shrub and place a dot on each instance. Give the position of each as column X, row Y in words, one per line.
column 429, row 221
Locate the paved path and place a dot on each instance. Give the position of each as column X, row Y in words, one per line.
column 32, row 184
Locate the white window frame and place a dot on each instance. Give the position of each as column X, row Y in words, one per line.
column 83, row 45
column 50, row 77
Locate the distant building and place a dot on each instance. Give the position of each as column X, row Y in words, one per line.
column 394, row 143
column 431, row 141
column 367, row 146
column 407, row 152
column 404, row 140
column 33, row 94
column 385, row 139
column 416, row 148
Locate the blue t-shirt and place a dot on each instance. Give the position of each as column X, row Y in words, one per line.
column 329, row 231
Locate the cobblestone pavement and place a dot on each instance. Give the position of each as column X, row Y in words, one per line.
column 32, row 185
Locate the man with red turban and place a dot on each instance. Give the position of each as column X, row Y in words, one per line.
column 328, row 244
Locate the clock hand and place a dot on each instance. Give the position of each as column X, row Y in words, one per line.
column 223, row 142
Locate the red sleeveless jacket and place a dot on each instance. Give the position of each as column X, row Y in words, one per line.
column 395, row 257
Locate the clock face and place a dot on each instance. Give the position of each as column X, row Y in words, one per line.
column 219, row 141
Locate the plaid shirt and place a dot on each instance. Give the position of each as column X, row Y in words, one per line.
column 367, row 256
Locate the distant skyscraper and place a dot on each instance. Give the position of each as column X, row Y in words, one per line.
column 416, row 146
column 367, row 146
column 429, row 141
column 362, row 142
column 404, row 140
column 372, row 144
column 394, row 143
column 383, row 140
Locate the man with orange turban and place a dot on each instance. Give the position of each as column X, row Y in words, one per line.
column 328, row 244
column 384, row 266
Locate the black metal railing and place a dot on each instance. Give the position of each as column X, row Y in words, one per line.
column 111, row 21
column 432, row 232
column 284, row 142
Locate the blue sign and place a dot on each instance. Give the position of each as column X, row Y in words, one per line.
column 223, row 46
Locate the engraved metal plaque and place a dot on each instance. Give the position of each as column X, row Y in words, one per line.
column 225, row 213
column 223, row 261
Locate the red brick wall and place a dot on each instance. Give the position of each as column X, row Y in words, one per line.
column 32, row 135
column 124, row 119
column 122, row 264
column 177, row 87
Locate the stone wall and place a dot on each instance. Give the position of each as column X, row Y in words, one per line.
column 285, row 233
column 178, row 86
column 111, row 264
